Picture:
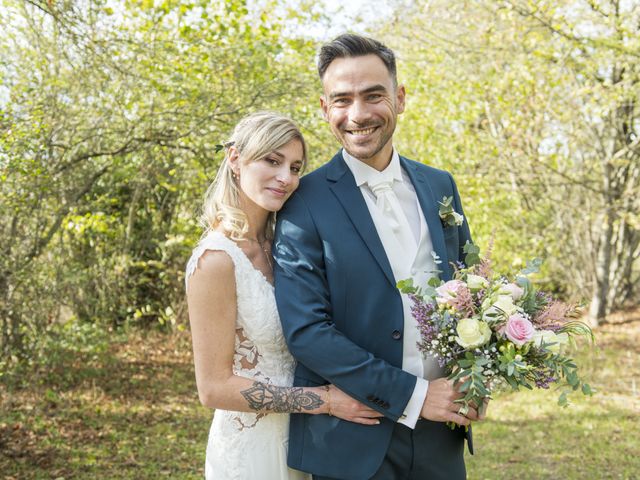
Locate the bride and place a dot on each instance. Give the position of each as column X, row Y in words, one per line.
column 243, row 368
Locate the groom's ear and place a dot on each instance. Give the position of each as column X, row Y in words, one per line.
column 401, row 95
column 324, row 106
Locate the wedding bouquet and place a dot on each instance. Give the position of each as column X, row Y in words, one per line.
column 490, row 331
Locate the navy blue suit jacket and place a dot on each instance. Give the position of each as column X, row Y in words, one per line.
column 342, row 314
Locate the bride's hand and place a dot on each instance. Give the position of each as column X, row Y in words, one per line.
column 347, row 408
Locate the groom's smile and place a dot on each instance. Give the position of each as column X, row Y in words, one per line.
column 362, row 132
column 362, row 135
column 361, row 104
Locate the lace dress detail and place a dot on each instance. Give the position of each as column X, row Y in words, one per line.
column 246, row 445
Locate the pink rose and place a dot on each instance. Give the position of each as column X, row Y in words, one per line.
column 448, row 291
column 519, row 330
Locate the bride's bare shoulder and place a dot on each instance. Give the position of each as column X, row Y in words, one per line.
column 214, row 264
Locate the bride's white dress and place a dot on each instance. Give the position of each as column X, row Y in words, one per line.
column 244, row 445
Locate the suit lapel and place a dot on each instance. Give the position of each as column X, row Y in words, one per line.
column 429, row 205
column 343, row 185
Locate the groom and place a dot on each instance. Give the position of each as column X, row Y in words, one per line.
column 353, row 229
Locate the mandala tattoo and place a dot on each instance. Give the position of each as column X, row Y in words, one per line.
column 262, row 396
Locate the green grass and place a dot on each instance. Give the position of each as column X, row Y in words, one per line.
column 130, row 411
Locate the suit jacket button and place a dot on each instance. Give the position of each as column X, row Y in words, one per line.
column 396, row 335
column 386, row 405
column 371, row 398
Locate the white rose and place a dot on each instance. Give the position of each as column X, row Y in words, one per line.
column 472, row 333
column 550, row 337
column 515, row 291
column 476, row 282
column 502, row 307
column 505, row 303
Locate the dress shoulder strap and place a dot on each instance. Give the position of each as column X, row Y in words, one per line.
column 213, row 241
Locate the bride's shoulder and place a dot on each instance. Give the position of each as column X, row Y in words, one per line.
column 215, row 262
column 212, row 258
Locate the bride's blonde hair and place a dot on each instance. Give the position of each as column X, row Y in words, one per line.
column 254, row 137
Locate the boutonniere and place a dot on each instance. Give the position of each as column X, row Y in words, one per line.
column 448, row 216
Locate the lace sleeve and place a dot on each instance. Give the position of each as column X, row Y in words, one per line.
column 211, row 241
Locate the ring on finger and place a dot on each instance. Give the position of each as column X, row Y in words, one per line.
column 463, row 410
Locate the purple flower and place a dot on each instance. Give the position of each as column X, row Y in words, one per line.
column 545, row 380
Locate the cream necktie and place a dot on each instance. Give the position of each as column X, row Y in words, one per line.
column 389, row 205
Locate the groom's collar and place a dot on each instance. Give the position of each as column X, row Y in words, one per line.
column 337, row 167
column 363, row 173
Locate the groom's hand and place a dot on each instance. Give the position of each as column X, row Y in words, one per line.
column 440, row 404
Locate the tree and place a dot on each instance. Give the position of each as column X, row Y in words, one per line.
column 107, row 141
column 534, row 106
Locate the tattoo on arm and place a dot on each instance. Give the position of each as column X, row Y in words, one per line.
column 262, row 396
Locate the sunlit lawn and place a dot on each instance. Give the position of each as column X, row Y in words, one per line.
column 132, row 413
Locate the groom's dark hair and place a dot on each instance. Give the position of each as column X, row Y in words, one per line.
column 351, row 45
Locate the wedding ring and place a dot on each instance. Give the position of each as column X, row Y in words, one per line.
column 463, row 410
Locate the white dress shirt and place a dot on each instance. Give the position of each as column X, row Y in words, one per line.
column 402, row 264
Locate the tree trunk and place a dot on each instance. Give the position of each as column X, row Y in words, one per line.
column 4, row 317
column 599, row 304
column 9, row 321
column 131, row 216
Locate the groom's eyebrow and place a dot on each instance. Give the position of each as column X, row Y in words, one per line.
column 371, row 89
column 374, row 88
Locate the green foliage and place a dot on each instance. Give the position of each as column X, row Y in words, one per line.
column 533, row 266
column 112, row 116
column 533, row 107
column 447, row 214
column 108, row 140
column 472, row 254
column 470, row 378
column 406, row 286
